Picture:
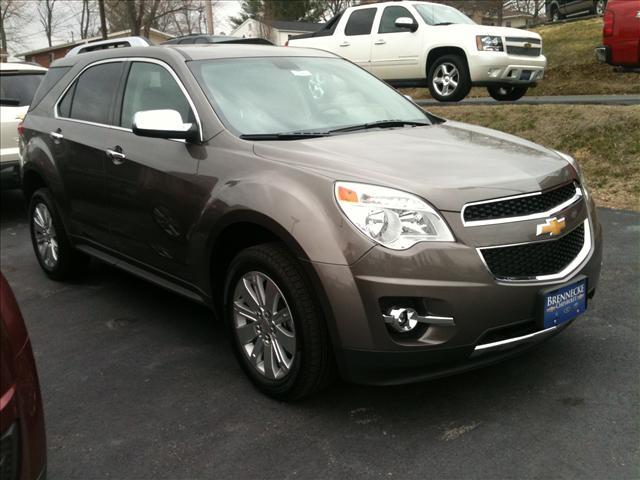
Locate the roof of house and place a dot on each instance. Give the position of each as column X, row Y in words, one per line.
column 285, row 25
column 120, row 33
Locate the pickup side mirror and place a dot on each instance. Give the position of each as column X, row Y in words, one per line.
column 406, row 23
column 163, row 124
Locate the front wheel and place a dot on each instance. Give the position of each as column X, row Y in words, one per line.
column 55, row 254
column 448, row 79
column 507, row 94
column 277, row 327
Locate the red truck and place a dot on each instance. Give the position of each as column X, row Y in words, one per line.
column 621, row 34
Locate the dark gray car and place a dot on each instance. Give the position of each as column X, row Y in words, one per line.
column 333, row 224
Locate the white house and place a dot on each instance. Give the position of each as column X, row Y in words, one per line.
column 278, row 31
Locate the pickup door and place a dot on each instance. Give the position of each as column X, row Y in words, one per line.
column 395, row 51
column 353, row 36
column 625, row 42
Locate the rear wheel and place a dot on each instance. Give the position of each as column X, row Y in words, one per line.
column 54, row 252
column 278, row 330
column 599, row 7
column 448, row 79
column 507, row 93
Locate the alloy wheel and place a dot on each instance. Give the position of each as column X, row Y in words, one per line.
column 600, row 7
column 45, row 235
column 264, row 325
column 446, row 79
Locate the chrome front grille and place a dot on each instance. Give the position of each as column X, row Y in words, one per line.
column 521, row 207
column 528, row 47
column 543, row 260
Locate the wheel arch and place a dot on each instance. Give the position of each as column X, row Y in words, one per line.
column 254, row 228
column 441, row 51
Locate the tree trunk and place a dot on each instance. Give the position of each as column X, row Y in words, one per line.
column 103, row 19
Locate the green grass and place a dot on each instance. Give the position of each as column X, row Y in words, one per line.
column 603, row 139
column 572, row 67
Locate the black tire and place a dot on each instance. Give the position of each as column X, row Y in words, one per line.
column 556, row 16
column 463, row 79
column 312, row 366
column 507, row 93
column 69, row 261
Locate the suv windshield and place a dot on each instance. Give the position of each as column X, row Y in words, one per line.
column 434, row 14
column 276, row 95
column 17, row 89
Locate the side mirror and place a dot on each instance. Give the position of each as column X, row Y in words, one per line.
column 163, row 124
column 406, row 23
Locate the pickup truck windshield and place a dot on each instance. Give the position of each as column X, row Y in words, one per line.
column 434, row 14
column 312, row 95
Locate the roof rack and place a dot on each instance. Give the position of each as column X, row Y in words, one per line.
column 110, row 43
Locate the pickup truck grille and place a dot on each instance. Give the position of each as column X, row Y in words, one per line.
column 520, row 206
column 530, row 260
column 527, row 47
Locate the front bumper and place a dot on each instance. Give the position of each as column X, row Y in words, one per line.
column 492, row 319
column 502, row 69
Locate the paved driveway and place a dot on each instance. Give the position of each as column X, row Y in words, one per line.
column 139, row 383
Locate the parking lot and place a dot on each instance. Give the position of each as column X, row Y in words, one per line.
column 139, row 383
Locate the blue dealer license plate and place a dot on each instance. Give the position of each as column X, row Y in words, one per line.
column 565, row 303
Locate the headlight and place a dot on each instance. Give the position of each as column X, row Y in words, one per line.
column 574, row 164
column 489, row 43
column 394, row 219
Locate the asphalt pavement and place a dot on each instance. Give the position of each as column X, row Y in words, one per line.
column 545, row 100
column 141, row 384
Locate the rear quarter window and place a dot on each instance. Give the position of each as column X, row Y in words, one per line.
column 49, row 81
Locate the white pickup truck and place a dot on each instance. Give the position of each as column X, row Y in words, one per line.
column 417, row 44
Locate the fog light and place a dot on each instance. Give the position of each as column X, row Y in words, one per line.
column 402, row 319
column 494, row 72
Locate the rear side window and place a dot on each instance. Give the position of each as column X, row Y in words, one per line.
column 52, row 77
column 360, row 22
column 91, row 97
column 389, row 17
column 17, row 89
column 152, row 87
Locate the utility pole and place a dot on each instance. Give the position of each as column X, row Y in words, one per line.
column 209, row 8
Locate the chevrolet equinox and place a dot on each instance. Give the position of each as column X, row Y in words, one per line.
column 333, row 224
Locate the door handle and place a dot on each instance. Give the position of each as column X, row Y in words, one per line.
column 117, row 157
column 379, row 42
column 57, row 135
column 345, row 44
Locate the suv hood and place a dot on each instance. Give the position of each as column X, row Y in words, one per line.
column 448, row 164
column 463, row 30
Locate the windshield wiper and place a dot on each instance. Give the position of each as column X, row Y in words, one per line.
column 379, row 124
column 442, row 23
column 282, row 136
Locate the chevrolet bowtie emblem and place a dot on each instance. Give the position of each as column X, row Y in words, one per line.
column 527, row 45
column 552, row 226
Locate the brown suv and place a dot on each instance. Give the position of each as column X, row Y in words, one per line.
column 335, row 225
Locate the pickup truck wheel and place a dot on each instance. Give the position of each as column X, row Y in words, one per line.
column 507, row 94
column 555, row 14
column 448, row 79
column 599, row 7
column 55, row 254
column 278, row 331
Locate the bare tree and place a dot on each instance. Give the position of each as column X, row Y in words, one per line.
column 86, row 16
column 45, row 15
column 334, row 7
column 103, row 19
column 9, row 17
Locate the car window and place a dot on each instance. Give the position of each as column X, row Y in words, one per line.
column 360, row 22
column 92, row 96
column 267, row 95
column 52, row 77
column 17, row 89
column 186, row 40
column 64, row 107
column 436, row 14
column 152, row 87
column 389, row 17
column 202, row 40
